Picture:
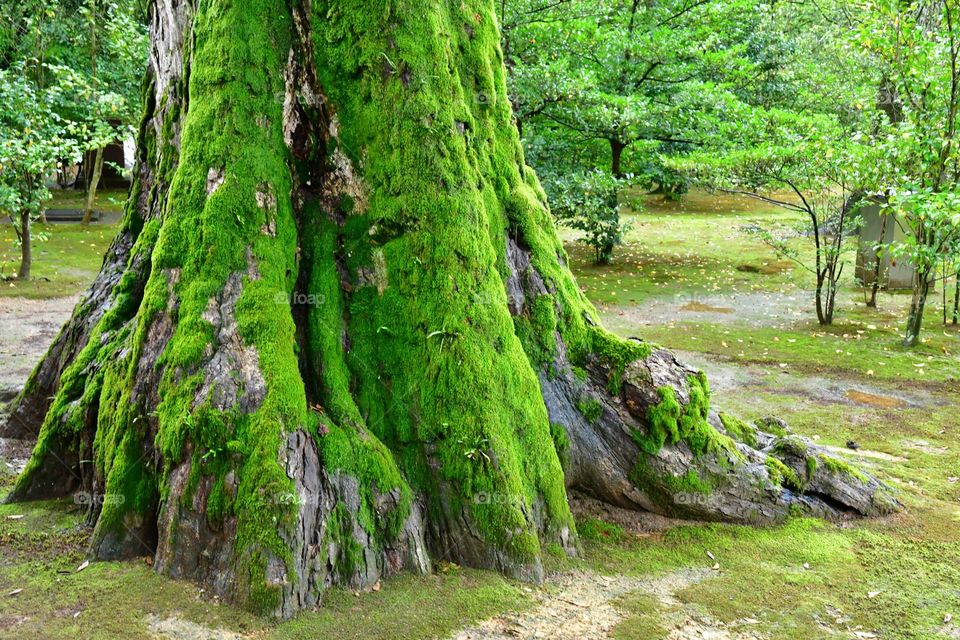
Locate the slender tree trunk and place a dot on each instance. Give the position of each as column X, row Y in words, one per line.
column 877, row 262
column 819, row 295
column 26, row 255
column 918, row 302
column 337, row 336
column 956, row 299
column 92, row 186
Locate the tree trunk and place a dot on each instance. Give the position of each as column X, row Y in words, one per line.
column 616, row 153
column 92, row 187
column 956, row 299
column 337, row 336
column 26, row 254
column 877, row 264
column 915, row 318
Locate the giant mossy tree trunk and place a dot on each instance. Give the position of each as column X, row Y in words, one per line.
column 336, row 336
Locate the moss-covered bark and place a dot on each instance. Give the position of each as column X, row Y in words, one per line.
column 338, row 332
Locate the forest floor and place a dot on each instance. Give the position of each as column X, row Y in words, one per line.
column 694, row 278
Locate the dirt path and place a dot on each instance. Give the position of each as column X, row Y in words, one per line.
column 754, row 309
column 581, row 605
column 28, row 327
column 179, row 629
column 727, row 377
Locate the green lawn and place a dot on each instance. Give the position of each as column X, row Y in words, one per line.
column 66, row 258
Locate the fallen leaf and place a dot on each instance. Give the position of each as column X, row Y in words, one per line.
column 376, row 586
column 83, row 565
column 14, row 592
column 873, row 594
column 710, row 555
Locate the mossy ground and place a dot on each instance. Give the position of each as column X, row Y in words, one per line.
column 63, row 264
column 910, row 563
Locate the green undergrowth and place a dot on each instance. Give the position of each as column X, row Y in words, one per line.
column 42, row 551
column 410, row 607
column 692, row 253
column 787, row 579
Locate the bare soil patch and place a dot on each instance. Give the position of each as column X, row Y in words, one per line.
column 28, row 328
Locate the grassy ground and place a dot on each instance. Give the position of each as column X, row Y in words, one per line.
column 891, row 578
column 66, row 257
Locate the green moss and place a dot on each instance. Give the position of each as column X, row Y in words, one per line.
column 616, row 353
column 595, row 530
column 782, row 475
column 560, row 442
column 436, row 359
column 739, row 430
column 790, row 446
column 669, row 490
column 772, row 426
column 836, row 465
column 670, row 423
column 590, row 408
column 537, row 330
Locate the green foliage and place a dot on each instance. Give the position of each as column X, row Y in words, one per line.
column 588, row 203
column 33, row 140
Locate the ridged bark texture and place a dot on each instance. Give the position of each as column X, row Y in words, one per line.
column 337, row 338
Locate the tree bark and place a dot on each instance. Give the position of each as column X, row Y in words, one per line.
column 92, row 187
column 616, row 154
column 337, row 337
column 917, row 305
column 26, row 253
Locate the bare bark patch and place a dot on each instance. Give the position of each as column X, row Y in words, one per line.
column 232, row 375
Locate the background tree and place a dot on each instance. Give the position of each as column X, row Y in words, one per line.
column 915, row 47
column 589, row 203
column 93, row 52
column 808, row 165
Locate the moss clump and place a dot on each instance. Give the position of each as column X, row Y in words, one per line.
column 670, row 423
column 772, row 426
column 616, row 353
column 348, row 554
column 790, row 446
column 842, row 467
column 537, row 328
column 590, row 408
column 596, row 530
column 739, row 430
column 560, row 442
column 782, row 475
column 671, row 490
